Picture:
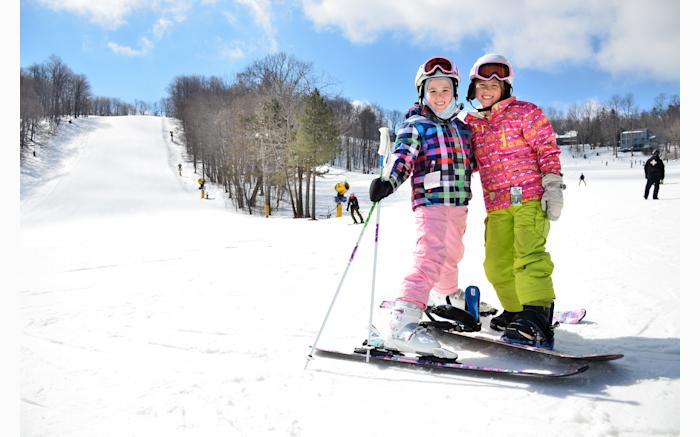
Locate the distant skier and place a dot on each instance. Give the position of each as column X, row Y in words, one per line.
column 582, row 179
column 171, row 136
column 433, row 150
column 354, row 207
column 654, row 172
column 179, row 169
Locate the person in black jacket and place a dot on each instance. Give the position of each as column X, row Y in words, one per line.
column 354, row 206
column 654, row 172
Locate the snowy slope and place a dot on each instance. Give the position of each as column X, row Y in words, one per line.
column 146, row 310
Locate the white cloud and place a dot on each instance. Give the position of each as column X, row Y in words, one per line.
column 620, row 37
column 160, row 27
column 144, row 49
column 107, row 13
column 232, row 53
column 112, row 14
column 644, row 39
column 263, row 17
column 265, row 42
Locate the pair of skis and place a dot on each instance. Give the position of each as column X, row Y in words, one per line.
column 450, row 332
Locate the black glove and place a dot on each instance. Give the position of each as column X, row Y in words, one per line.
column 379, row 189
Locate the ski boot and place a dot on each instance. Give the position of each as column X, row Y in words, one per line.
column 407, row 335
column 532, row 327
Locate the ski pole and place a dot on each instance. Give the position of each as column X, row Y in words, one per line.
column 384, row 144
column 342, row 279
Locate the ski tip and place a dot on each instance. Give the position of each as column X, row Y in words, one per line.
column 581, row 369
column 602, row 357
column 566, row 373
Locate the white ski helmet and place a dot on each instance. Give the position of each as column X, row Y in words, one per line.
column 489, row 66
column 438, row 66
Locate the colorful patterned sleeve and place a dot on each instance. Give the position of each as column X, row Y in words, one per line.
column 473, row 164
column 406, row 149
column 539, row 133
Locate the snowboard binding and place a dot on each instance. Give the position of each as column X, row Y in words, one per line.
column 454, row 319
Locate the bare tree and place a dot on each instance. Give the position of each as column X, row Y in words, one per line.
column 59, row 77
column 367, row 131
column 30, row 110
column 393, row 119
column 80, row 101
column 345, row 117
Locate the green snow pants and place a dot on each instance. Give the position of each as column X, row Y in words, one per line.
column 516, row 263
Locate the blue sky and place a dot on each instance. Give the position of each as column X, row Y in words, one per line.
column 564, row 52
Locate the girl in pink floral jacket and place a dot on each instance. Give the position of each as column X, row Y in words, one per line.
column 518, row 161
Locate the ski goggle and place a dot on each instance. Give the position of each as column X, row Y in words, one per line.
column 444, row 64
column 491, row 70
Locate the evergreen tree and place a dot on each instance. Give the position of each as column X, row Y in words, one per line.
column 316, row 142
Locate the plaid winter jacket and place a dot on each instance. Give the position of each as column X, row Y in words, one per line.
column 438, row 156
column 514, row 148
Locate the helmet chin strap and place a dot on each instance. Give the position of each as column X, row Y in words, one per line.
column 488, row 108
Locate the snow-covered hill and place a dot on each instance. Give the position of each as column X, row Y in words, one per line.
column 146, row 310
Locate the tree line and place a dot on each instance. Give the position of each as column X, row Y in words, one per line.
column 601, row 124
column 51, row 91
column 266, row 136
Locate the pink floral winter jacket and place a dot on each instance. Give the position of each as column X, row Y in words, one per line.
column 514, row 148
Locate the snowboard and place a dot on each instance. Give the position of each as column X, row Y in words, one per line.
column 441, row 330
column 455, row 331
column 382, row 356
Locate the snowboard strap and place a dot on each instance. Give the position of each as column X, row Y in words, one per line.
column 464, row 320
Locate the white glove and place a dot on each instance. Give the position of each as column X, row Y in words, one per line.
column 553, row 198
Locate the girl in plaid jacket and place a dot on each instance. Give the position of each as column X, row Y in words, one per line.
column 432, row 147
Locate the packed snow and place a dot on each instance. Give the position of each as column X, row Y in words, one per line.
column 146, row 310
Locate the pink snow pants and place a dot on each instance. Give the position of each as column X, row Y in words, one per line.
column 439, row 250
